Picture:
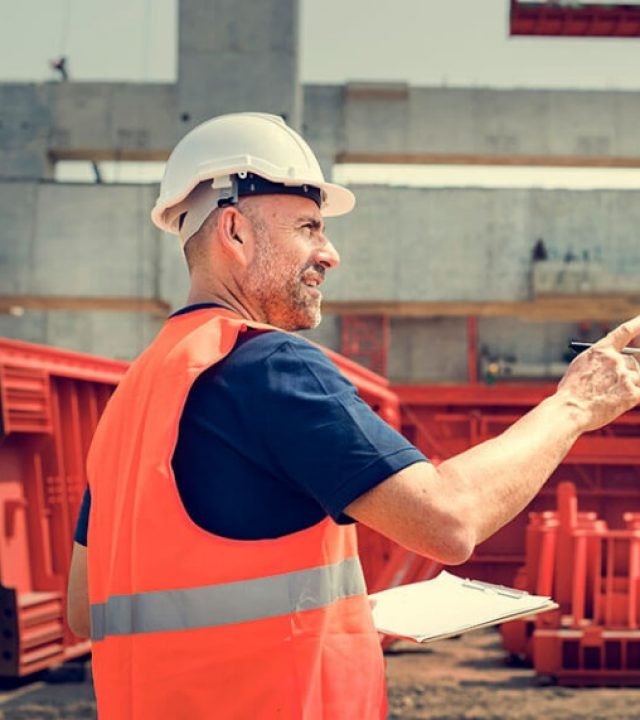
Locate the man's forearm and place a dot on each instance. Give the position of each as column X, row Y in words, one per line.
column 497, row 479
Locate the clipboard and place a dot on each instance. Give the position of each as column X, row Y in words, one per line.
column 448, row 605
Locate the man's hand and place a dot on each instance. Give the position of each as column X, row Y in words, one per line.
column 78, row 593
column 602, row 383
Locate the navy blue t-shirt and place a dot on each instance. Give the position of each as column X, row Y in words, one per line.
column 273, row 438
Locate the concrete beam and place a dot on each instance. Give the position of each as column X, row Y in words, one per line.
column 112, row 121
column 354, row 123
column 396, row 123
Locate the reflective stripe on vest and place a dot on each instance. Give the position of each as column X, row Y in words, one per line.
column 236, row 602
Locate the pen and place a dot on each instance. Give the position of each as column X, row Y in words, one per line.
column 578, row 346
column 498, row 589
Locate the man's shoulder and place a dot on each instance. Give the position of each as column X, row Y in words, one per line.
column 270, row 363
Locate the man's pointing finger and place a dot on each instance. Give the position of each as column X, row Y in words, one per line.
column 621, row 336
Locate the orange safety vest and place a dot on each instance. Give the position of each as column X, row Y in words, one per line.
column 188, row 624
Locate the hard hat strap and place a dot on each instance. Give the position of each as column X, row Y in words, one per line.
column 252, row 184
column 226, row 190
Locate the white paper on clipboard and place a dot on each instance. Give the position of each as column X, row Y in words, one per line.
column 449, row 605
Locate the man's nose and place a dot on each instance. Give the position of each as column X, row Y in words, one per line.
column 328, row 256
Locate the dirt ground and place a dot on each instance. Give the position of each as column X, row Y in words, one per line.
column 469, row 679
column 462, row 679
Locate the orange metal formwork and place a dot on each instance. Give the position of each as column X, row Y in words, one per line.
column 593, row 572
column 444, row 420
column 50, row 404
column 52, row 399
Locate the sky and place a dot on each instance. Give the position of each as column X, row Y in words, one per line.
column 422, row 42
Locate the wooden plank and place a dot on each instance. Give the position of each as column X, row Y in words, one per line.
column 110, row 155
column 434, row 158
column 560, row 309
column 16, row 304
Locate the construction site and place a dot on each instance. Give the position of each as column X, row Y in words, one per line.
column 452, row 314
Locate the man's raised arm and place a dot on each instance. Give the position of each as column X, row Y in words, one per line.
column 445, row 512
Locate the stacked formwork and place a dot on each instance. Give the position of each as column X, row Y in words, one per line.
column 50, row 404
column 593, row 573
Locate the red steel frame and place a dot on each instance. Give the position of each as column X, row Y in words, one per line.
column 50, row 404
column 365, row 340
column 444, row 420
column 593, row 572
column 559, row 19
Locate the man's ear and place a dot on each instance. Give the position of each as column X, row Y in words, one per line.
column 233, row 232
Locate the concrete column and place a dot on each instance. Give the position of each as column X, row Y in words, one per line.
column 25, row 126
column 238, row 55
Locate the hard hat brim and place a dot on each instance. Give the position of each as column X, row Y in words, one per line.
column 339, row 200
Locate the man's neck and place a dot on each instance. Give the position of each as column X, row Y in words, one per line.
column 225, row 299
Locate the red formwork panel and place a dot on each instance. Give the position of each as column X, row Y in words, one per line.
column 50, row 402
column 597, row 642
column 593, row 572
column 444, row 420
column 589, row 656
column 553, row 567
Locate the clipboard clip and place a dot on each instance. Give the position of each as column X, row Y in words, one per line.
column 497, row 589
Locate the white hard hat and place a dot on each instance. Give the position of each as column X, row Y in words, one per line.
column 236, row 148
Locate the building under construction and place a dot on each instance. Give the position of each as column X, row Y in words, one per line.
column 464, row 299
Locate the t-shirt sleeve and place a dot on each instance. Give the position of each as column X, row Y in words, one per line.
column 322, row 437
column 82, row 526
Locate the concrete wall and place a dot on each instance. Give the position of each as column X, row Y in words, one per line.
column 96, row 241
column 78, row 240
column 408, row 244
column 434, row 350
column 88, row 243
column 428, row 350
column 399, row 245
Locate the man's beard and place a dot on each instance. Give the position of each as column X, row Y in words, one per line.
column 286, row 303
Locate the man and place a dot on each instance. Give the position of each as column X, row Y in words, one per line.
column 230, row 464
